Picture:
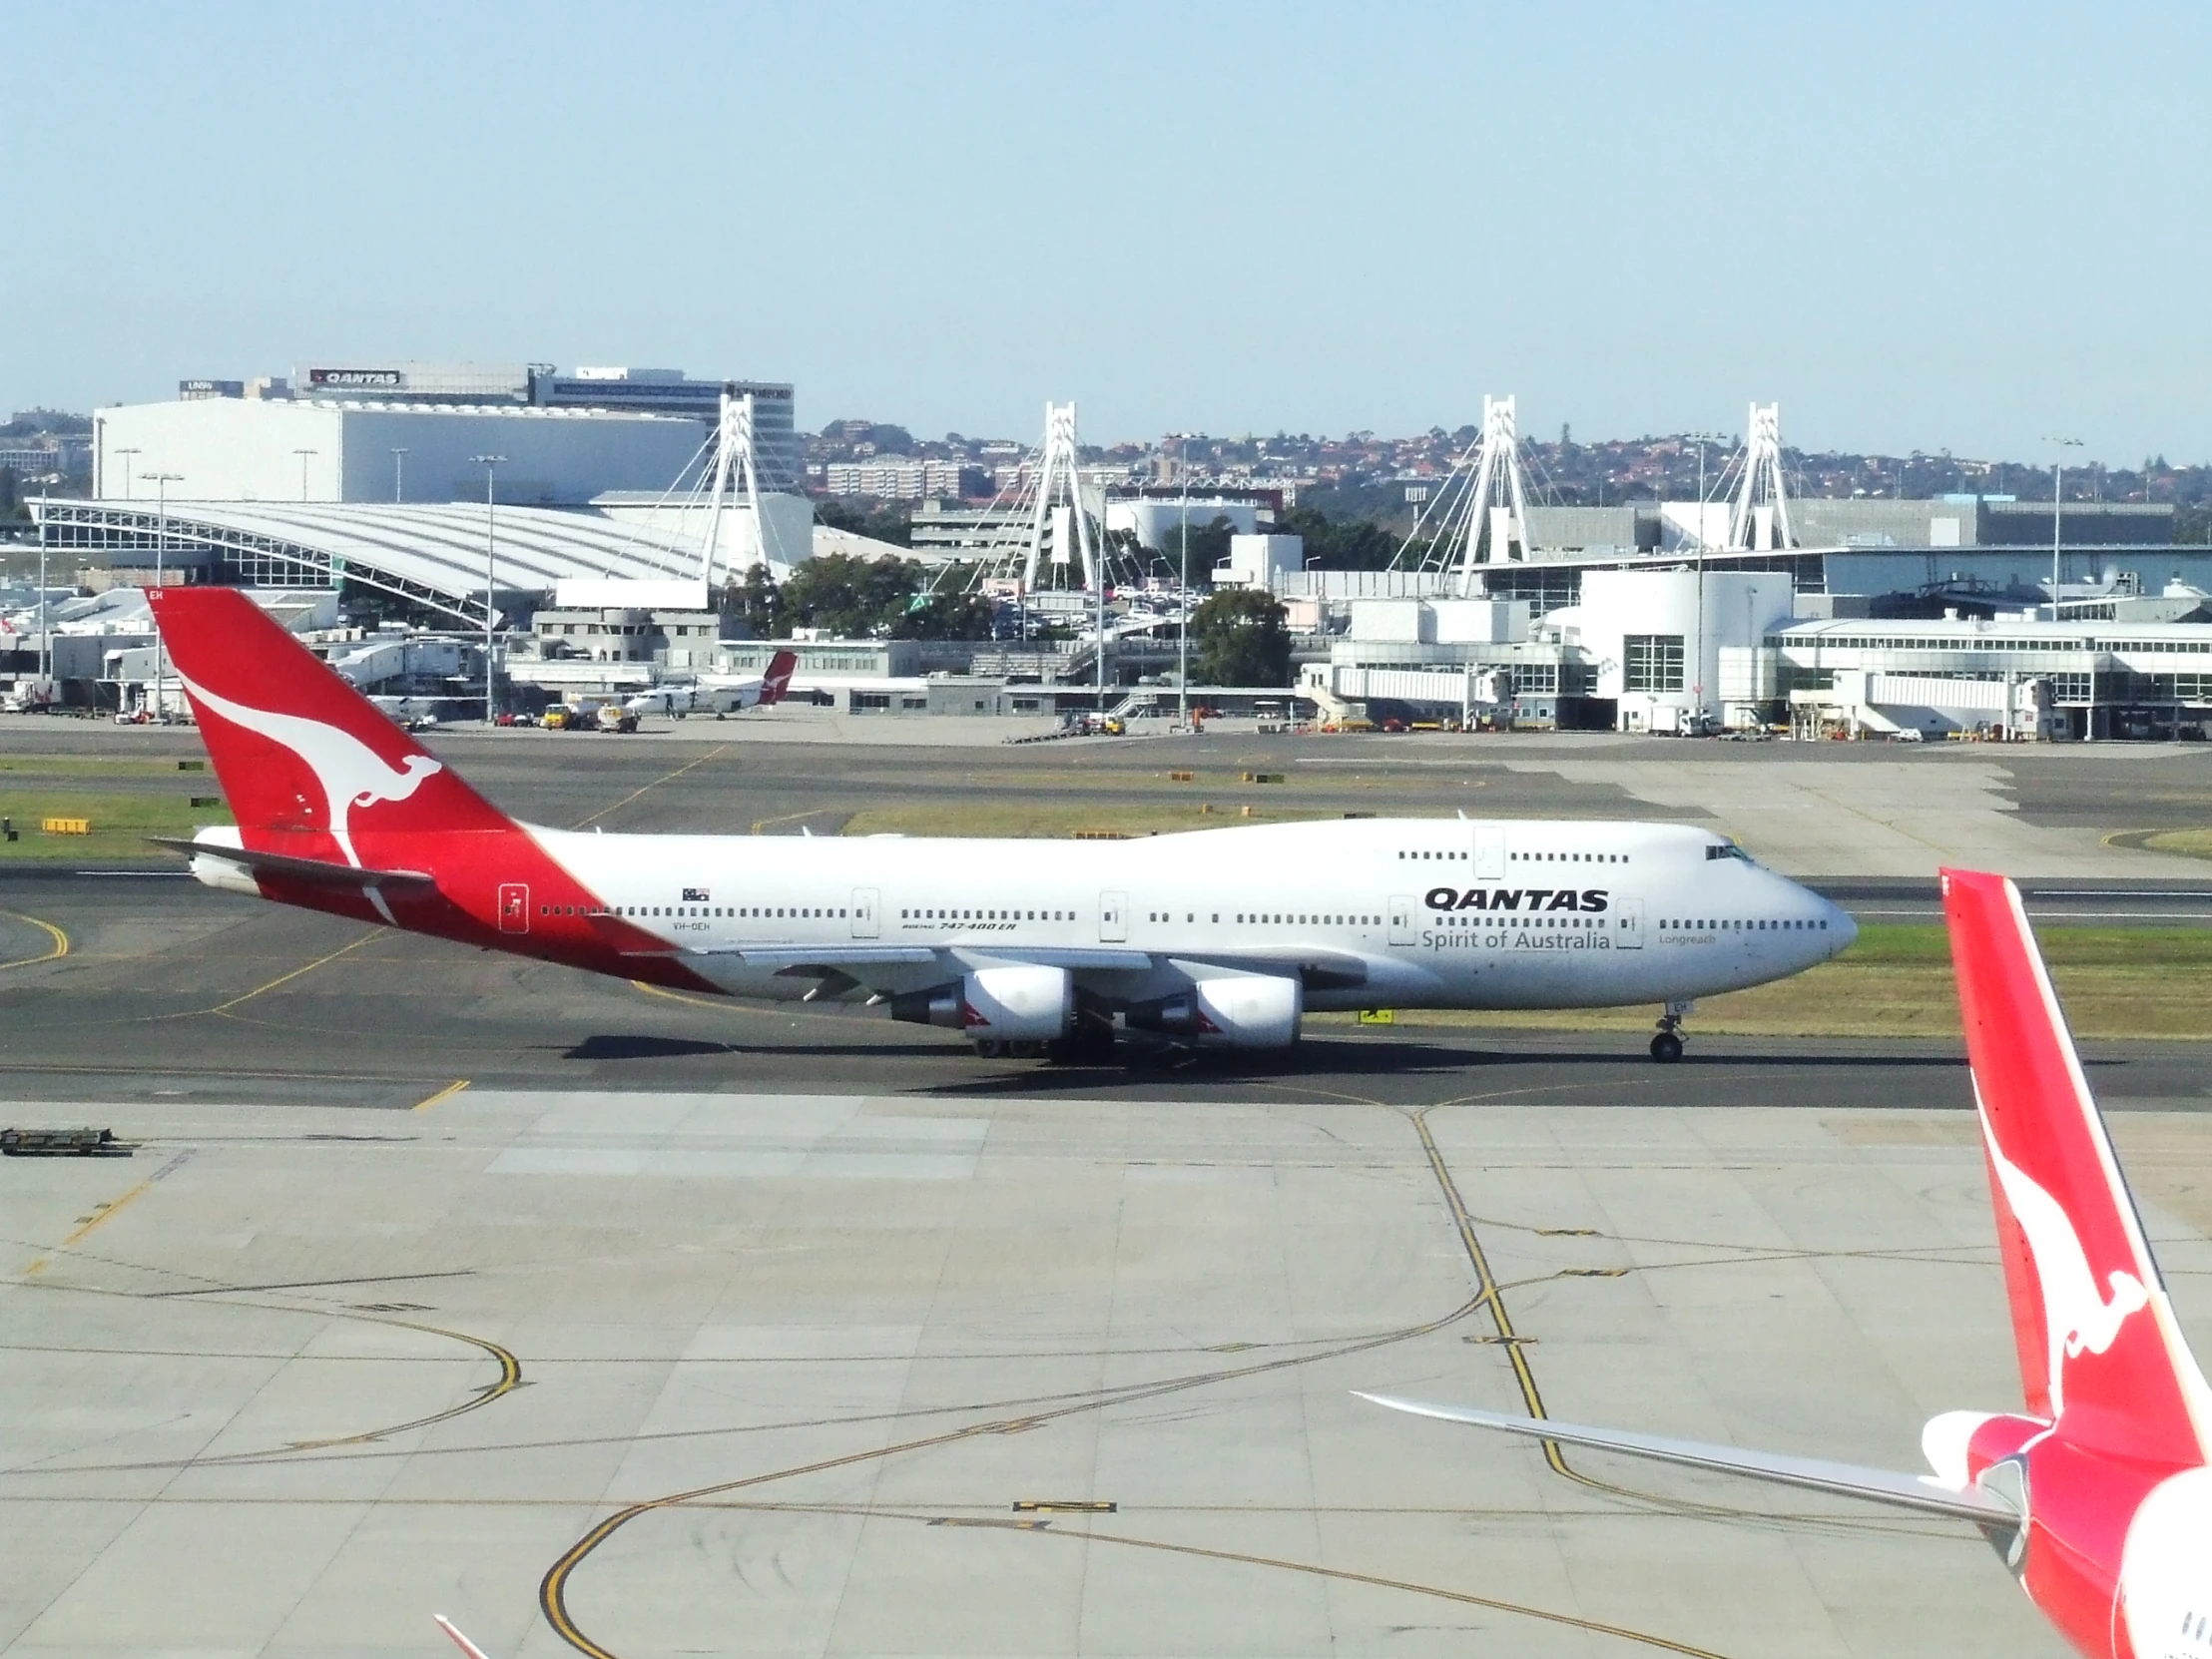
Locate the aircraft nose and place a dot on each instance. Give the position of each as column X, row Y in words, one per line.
column 1842, row 930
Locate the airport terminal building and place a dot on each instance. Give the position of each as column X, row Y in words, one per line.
column 436, row 485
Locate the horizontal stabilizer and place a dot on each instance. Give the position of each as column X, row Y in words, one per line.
column 1909, row 1492
column 316, row 871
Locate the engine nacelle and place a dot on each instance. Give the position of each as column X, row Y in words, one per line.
column 1020, row 1003
column 1245, row 1011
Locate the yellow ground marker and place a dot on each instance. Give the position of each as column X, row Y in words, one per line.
column 284, row 978
column 447, row 1093
column 668, row 777
column 101, row 1215
column 57, row 949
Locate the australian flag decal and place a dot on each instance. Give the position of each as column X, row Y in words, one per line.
column 695, row 896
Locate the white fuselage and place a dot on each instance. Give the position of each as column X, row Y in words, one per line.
column 1404, row 912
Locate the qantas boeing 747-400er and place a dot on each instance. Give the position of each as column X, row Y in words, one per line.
column 1224, row 938
column 2096, row 1492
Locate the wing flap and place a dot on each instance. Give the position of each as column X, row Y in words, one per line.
column 1908, row 1491
column 823, row 956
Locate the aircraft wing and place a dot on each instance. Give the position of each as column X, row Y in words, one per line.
column 1315, row 967
column 958, row 954
column 1909, row 1491
column 1318, row 970
column 313, row 870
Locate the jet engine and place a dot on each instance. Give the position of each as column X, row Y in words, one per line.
column 1018, row 1003
column 1245, row 1011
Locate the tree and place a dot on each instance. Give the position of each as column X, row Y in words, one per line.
column 947, row 614
column 853, row 597
column 758, row 599
column 1342, row 544
column 1240, row 640
column 1208, row 547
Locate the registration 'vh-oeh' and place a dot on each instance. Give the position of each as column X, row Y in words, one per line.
column 1219, row 938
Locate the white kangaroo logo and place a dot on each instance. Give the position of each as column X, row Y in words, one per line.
column 2076, row 1318
column 351, row 773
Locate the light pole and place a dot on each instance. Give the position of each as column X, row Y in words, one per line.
column 489, row 463
column 2057, row 510
column 1697, row 673
column 398, row 475
column 303, row 454
column 128, row 454
column 1183, row 631
column 161, row 483
column 45, row 650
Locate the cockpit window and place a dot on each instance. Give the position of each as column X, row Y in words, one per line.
column 1728, row 849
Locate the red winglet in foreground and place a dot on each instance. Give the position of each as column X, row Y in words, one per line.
column 2097, row 1492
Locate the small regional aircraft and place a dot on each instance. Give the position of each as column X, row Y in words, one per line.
column 1034, row 948
column 2096, row 1493
column 716, row 696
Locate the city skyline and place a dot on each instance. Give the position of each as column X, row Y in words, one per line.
column 1963, row 230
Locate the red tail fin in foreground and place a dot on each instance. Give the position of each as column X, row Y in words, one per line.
column 2100, row 1350
column 308, row 766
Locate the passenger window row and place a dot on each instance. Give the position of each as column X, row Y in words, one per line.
column 1754, row 924
column 1479, row 920
column 727, row 912
column 949, row 914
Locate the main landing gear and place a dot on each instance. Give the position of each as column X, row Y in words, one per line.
column 990, row 1049
column 1666, row 1047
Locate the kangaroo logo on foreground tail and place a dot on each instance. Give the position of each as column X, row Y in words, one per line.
column 2076, row 1318
column 2099, row 1494
column 351, row 773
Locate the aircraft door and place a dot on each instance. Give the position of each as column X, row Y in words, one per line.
column 1402, row 918
column 1489, row 852
column 865, row 908
column 1628, row 925
column 514, row 907
column 1113, row 918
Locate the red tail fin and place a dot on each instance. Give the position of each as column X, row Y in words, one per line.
column 778, row 679
column 309, row 764
column 2100, row 1350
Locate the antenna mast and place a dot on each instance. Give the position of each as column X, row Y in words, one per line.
column 1495, row 511
column 734, row 463
column 1760, row 519
column 1060, row 505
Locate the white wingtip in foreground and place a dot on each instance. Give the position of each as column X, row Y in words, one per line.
column 2098, row 1493
column 460, row 1641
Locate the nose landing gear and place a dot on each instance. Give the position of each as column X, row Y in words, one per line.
column 1666, row 1047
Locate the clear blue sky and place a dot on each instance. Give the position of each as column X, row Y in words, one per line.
column 1916, row 226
